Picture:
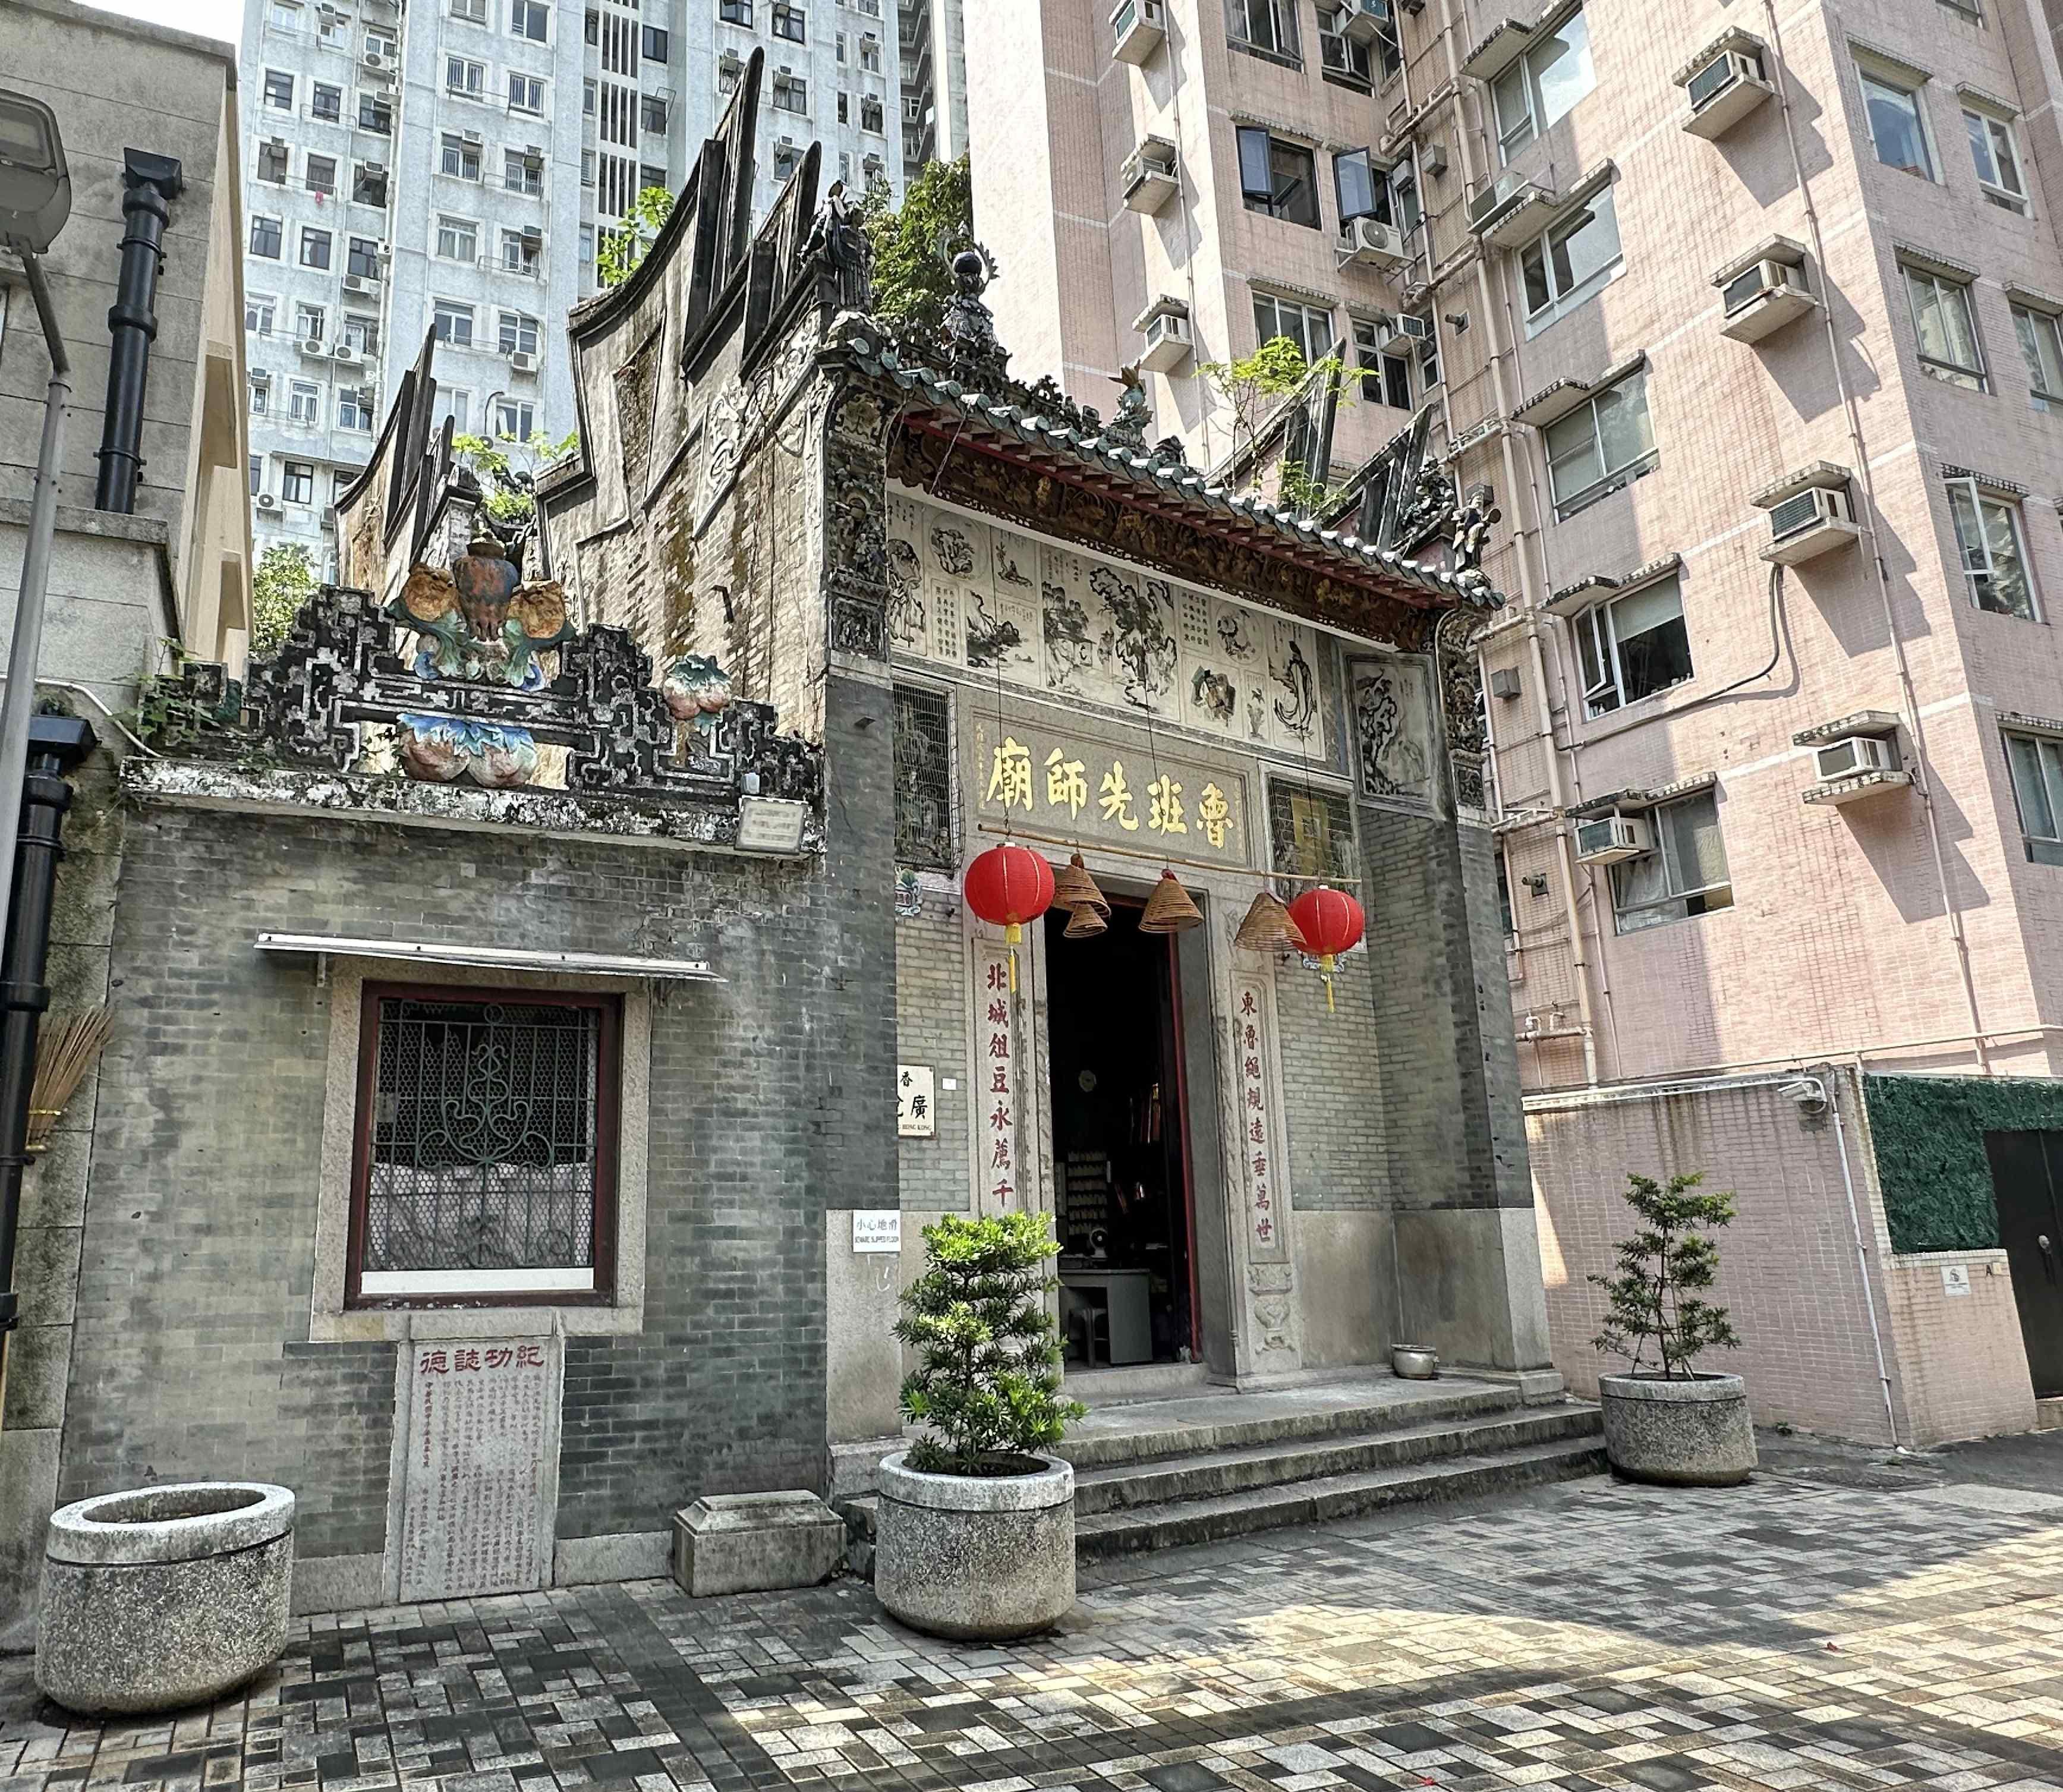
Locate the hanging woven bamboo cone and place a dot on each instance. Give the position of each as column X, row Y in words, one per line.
column 66, row 1047
column 1268, row 927
column 1073, row 888
column 1168, row 909
column 1084, row 923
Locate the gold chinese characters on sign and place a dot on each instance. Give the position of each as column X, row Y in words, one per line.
column 1078, row 789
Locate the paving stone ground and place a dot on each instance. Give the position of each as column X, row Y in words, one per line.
column 1795, row 1633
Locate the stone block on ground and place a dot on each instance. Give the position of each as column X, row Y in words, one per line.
column 756, row 1543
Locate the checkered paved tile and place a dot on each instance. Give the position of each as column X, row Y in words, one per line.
column 1789, row 1635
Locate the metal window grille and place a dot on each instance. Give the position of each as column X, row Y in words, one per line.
column 1311, row 837
column 923, row 780
column 484, row 1146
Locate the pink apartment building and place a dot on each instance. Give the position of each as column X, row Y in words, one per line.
column 1751, row 313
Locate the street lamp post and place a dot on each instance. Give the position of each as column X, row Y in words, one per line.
column 35, row 200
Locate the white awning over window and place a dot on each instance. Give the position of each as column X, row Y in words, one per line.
column 492, row 958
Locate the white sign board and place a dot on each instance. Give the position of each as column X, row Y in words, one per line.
column 916, row 1109
column 877, row 1230
column 1955, row 1278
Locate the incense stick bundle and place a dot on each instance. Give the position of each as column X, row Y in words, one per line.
column 66, row 1047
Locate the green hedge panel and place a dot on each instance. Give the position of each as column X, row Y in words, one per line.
column 1930, row 1152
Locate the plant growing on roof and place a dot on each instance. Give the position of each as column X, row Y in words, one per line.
column 1254, row 388
column 284, row 581
column 619, row 250
column 1656, row 1293
column 986, row 1382
column 914, row 244
column 508, row 465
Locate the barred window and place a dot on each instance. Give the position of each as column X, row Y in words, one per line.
column 485, row 1161
column 923, row 780
column 1311, row 835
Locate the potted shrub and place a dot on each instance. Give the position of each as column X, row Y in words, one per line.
column 1664, row 1421
column 975, row 1534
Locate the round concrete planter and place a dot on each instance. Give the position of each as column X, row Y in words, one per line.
column 1693, row 1433
column 164, row 1597
column 979, row 1558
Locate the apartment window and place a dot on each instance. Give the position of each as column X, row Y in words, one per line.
column 517, row 333
column 526, row 1205
column 261, row 396
column 325, row 101
column 589, row 95
column 368, row 186
column 1338, row 53
column 473, row 12
column 258, row 308
column 309, row 321
column 1897, row 126
column 1685, row 875
column 1385, row 378
column 375, row 115
column 870, row 54
column 1429, row 351
column 592, row 30
column 870, row 113
column 1308, row 326
column 361, row 334
column 380, row 42
column 464, row 78
column 2037, row 761
column 1277, row 177
column 728, row 70
column 652, row 114
column 653, row 42
column 515, row 416
column 519, row 252
column 272, row 164
column 459, row 159
column 2042, row 346
column 1946, row 331
column 520, row 174
column 1997, row 159
column 734, row 12
column 1604, row 443
column 1543, row 86
column 297, row 482
column 526, row 92
column 283, row 15
column 1266, row 26
column 315, row 247
column 791, row 93
column 1994, row 549
column 453, row 323
column 457, row 407
column 790, row 22
column 587, row 167
column 304, row 404
column 333, row 31
column 362, row 257
column 256, row 466
column 845, row 108
column 1571, row 263
column 320, row 174
column 458, row 238
column 354, row 408
column 1633, row 646
column 587, row 244
column 279, row 91
column 529, row 18
column 1359, row 189
column 1404, row 197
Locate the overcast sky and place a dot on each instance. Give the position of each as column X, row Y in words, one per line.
column 211, row 18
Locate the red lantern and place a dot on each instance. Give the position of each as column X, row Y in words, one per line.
column 1007, row 886
column 1331, row 923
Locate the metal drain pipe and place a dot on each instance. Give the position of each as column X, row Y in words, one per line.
column 149, row 183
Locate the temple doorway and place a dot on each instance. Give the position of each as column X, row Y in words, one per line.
column 1125, row 1199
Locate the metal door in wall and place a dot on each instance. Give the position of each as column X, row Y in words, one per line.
column 2027, row 1183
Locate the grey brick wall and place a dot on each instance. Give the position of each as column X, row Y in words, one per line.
column 771, row 1101
column 930, row 1028
column 1332, row 1086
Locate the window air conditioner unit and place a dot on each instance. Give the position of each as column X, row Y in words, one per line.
column 1407, row 332
column 1607, row 839
column 1366, row 20
column 266, row 501
column 375, row 167
column 1854, row 756
column 533, row 152
column 1813, row 522
column 1723, row 92
column 359, row 283
column 1761, row 298
column 1140, row 26
column 1150, row 177
column 1494, row 212
column 1370, row 243
column 329, row 516
column 1167, row 340
column 472, row 137
column 522, row 363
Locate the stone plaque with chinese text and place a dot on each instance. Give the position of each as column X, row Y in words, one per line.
column 478, row 1476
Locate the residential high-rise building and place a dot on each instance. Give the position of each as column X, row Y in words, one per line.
column 457, row 165
column 1753, row 318
column 932, row 35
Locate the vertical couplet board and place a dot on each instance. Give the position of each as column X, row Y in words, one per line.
column 1255, row 1123
column 479, row 1475
column 999, row 1080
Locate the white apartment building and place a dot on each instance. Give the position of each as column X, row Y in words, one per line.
column 933, row 37
column 454, row 168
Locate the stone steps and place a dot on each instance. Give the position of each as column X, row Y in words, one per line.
column 1213, row 1518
